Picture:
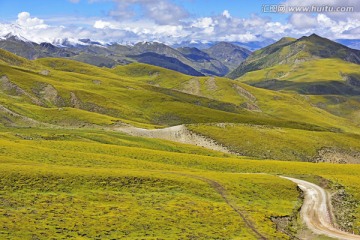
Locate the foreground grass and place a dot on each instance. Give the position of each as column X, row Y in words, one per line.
column 268, row 142
column 73, row 186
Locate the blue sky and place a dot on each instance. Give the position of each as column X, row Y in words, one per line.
column 53, row 8
column 173, row 20
column 197, row 8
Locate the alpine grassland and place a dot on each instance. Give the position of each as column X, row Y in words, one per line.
column 67, row 172
column 301, row 145
column 67, row 186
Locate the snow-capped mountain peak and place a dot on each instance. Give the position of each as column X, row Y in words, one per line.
column 17, row 37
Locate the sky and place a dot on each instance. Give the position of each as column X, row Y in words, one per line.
column 175, row 21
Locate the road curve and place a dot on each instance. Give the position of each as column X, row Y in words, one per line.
column 315, row 211
column 178, row 133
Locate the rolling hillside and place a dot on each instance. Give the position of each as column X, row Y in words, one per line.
column 326, row 72
column 97, row 184
column 66, row 93
column 66, row 171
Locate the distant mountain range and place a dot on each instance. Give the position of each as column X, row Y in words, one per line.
column 191, row 58
column 252, row 45
column 217, row 60
column 31, row 50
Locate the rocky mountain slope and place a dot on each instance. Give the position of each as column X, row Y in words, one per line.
column 229, row 54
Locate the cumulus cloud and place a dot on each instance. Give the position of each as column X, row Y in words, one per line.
column 162, row 12
column 301, row 20
column 353, row 31
column 25, row 20
column 100, row 24
column 329, row 24
column 226, row 14
column 245, row 37
column 205, row 22
column 221, row 27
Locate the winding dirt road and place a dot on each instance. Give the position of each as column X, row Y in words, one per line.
column 176, row 134
column 316, row 212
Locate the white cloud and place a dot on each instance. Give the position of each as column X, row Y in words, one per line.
column 203, row 22
column 246, row 37
column 226, row 14
column 74, row 1
column 326, row 20
column 163, row 12
column 103, row 24
column 25, row 20
column 354, row 31
column 301, row 20
column 221, row 27
column 255, row 21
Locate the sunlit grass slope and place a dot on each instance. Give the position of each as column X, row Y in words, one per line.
column 278, row 143
column 96, row 90
column 292, row 107
column 316, row 70
column 69, row 93
column 65, row 174
column 330, row 84
column 67, row 184
column 65, row 93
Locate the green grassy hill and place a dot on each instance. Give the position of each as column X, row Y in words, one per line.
column 315, row 77
column 326, row 72
column 65, row 172
column 284, row 143
column 292, row 51
column 65, row 93
column 331, row 84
